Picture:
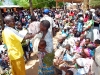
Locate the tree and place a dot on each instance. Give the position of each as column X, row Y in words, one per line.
column 51, row 4
column 23, row 3
column 94, row 3
column 35, row 3
column 1, row 2
column 61, row 4
column 30, row 1
column 86, row 5
column 43, row 3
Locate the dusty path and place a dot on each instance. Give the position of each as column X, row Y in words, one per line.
column 32, row 66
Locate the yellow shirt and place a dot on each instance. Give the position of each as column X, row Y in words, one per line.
column 13, row 40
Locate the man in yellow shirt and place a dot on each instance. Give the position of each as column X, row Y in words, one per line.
column 13, row 40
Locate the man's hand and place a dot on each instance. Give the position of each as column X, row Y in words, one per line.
column 29, row 36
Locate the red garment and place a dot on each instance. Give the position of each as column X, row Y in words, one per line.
column 71, row 14
column 86, row 18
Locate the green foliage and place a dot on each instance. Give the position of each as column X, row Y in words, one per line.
column 0, row 3
column 60, row 4
column 35, row 3
column 94, row 3
column 48, row 59
column 43, row 3
column 23, row 3
column 38, row 3
column 51, row 4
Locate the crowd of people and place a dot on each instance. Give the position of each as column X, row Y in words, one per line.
column 76, row 51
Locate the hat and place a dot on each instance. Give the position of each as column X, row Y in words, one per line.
column 87, row 12
column 46, row 11
column 92, row 10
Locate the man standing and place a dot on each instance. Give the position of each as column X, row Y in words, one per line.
column 12, row 39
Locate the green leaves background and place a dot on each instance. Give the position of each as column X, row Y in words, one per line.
column 35, row 3
column 95, row 3
column 46, row 3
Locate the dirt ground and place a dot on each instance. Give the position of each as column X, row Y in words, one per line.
column 32, row 66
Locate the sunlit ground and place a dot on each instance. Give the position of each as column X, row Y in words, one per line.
column 32, row 66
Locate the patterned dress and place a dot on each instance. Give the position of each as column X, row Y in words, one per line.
column 43, row 68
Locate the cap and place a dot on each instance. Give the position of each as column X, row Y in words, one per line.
column 46, row 11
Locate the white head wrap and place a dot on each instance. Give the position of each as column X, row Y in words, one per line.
column 92, row 10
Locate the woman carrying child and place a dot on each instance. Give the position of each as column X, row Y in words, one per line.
column 44, row 43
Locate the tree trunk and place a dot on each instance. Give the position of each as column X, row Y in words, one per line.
column 1, row 20
column 86, row 5
column 31, row 9
column 56, row 4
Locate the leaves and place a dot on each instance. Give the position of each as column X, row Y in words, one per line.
column 23, row 3
column 0, row 2
column 61, row 4
column 35, row 3
column 94, row 3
